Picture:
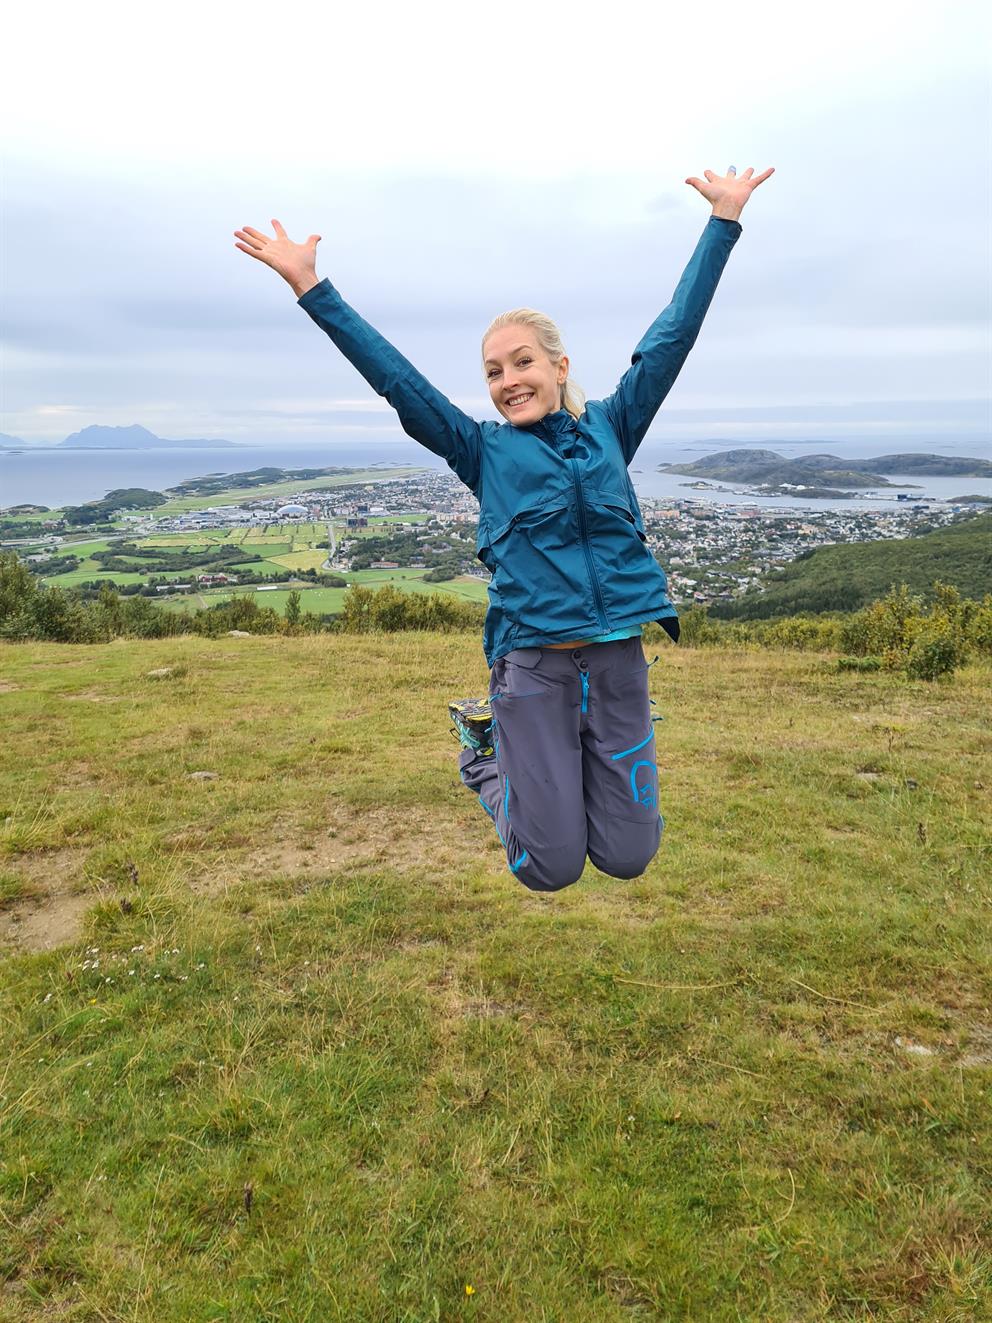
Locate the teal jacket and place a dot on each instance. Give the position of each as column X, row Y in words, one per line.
column 560, row 529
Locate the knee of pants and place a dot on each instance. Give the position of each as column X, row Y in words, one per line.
column 629, row 861
column 551, row 870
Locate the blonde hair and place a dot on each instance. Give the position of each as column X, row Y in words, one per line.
column 573, row 397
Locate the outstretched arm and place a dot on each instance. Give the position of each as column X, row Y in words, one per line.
column 659, row 356
column 425, row 414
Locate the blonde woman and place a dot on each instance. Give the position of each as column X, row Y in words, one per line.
column 562, row 756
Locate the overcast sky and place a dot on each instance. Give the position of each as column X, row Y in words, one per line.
column 461, row 160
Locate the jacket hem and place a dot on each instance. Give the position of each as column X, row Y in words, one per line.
column 666, row 616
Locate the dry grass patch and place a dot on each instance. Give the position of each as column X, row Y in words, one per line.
column 409, row 841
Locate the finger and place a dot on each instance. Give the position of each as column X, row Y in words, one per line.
column 748, row 172
column 696, row 183
column 731, row 170
column 709, row 175
column 761, row 178
column 252, row 236
column 313, row 241
column 250, row 251
column 280, row 232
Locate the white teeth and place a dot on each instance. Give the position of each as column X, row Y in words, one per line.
column 519, row 399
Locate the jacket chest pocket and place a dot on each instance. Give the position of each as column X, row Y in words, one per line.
column 534, row 558
column 612, row 515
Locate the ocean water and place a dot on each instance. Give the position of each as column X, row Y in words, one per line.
column 60, row 477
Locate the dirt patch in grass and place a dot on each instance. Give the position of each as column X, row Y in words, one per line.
column 978, row 1046
column 40, row 923
column 46, row 872
column 90, row 697
column 47, row 913
column 7, row 688
column 405, row 840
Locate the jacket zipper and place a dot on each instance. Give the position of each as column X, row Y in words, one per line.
column 600, row 606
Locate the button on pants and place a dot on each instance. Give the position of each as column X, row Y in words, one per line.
column 574, row 771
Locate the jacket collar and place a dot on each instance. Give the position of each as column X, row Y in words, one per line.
column 559, row 421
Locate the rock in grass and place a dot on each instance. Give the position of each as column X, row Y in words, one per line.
column 160, row 673
column 201, row 776
column 238, row 634
column 914, row 1049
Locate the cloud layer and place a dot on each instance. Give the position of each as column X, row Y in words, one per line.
column 862, row 273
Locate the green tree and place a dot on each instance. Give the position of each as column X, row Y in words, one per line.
column 17, row 586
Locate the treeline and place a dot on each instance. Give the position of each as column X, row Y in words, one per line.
column 31, row 610
column 849, row 576
column 408, row 545
column 122, row 498
column 127, row 557
column 902, row 631
column 384, row 610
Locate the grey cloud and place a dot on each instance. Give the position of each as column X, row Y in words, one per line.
column 133, row 290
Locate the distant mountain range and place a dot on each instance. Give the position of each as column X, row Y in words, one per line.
column 766, row 468
column 134, row 437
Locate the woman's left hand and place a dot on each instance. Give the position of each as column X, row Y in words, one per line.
column 727, row 193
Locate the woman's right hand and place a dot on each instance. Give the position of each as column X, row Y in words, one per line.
column 295, row 262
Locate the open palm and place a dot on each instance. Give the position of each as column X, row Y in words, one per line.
column 729, row 188
column 295, row 262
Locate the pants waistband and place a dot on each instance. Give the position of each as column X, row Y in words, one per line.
column 593, row 658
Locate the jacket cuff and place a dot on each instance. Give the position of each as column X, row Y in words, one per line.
column 719, row 222
column 322, row 287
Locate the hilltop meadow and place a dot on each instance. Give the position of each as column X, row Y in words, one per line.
column 284, row 1040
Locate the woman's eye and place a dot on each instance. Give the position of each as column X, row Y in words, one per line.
column 492, row 373
column 524, row 362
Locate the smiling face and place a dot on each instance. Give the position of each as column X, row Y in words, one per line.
column 523, row 382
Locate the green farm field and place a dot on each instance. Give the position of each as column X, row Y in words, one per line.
column 283, row 1039
column 330, row 601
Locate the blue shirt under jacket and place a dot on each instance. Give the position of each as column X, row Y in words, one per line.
column 560, row 528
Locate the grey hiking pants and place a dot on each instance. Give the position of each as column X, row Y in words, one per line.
column 573, row 771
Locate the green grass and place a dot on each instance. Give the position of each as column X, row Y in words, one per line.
column 695, row 1096
column 330, row 601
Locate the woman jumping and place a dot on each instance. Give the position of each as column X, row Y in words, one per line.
column 563, row 760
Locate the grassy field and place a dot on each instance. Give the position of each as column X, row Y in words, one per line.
column 281, row 546
column 330, row 601
column 233, row 495
column 284, row 1039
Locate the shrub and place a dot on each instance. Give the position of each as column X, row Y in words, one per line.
column 368, row 610
column 696, row 630
column 936, row 650
column 859, row 663
column 807, row 633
